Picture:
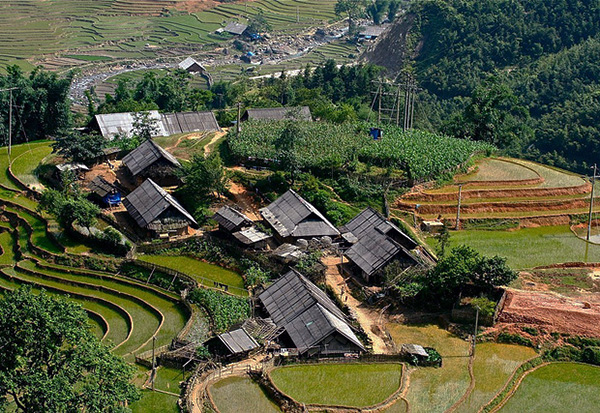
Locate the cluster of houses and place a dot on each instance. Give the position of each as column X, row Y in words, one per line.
column 149, row 168
column 305, row 320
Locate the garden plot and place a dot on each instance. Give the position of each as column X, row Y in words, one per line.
column 557, row 387
column 356, row 385
column 241, row 394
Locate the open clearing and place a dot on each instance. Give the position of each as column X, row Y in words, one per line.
column 338, row 384
column 558, row 387
column 241, row 394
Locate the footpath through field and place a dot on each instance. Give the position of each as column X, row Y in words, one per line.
column 369, row 319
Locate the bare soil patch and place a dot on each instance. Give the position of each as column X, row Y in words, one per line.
column 577, row 315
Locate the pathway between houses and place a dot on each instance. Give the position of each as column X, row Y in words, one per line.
column 368, row 317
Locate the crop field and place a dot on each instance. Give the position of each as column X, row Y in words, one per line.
column 337, row 384
column 557, row 387
column 100, row 30
column 241, row 394
column 498, row 170
column 203, row 272
column 420, row 154
column 528, row 247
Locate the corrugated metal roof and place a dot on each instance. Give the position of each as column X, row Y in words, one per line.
column 251, row 236
column 148, row 201
column 112, row 124
column 373, row 31
column 238, row 341
column 146, row 155
column 230, row 218
column 72, row 167
column 414, row 349
column 299, row 113
column 291, row 215
column 304, row 310
column 186, row 122
column 235, row 28
column 189, row 62
column 167, row 124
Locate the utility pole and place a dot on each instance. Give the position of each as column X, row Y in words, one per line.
column 589, row 229
column 153, row 362
column 297, row 14
column 9, row 90
column 458, row 208
column 475, row 332
column 239, row 118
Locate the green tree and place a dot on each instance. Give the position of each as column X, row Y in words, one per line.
column 69, row 206
column 78, row 147
column 203, row 177
column 144, row 126
column 51, row 362
column 258, row 23
column 288, row 144
column 353, row 10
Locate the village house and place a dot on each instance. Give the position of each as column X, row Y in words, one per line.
column 232, row 345
column 158, row 212
column 165, row 124
column 190, row 65
column 235, row 28
column 308, row 320
column 294, row 113
column 375, row 243
column 104, row 193
column 292, row 218
column 241, row 228
column 150, row 160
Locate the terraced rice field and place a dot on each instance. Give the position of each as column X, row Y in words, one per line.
column 558, row 387
column 337, row 384
column 241, row 394
column 124, row 313
column 505, row 188
column 92, row 30
column 205, row 273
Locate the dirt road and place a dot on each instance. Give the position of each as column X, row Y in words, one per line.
column 368, row 317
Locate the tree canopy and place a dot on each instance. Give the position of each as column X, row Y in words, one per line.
column 51, row 362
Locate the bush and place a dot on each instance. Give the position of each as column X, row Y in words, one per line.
column 509, row 338
column 591, row 355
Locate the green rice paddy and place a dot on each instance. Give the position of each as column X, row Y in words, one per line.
column 356, row 385
column 558, row 387
column 528, row 247
column 241, row 394
column 203, row 272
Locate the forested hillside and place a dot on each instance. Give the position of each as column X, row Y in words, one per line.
column 543, row 55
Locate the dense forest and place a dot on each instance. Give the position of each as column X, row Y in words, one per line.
column 523, row 74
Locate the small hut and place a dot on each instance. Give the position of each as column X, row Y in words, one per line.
column 149, row 160
column 104, row 192
column 231, row 220
column 158, row 212
column 235, row 344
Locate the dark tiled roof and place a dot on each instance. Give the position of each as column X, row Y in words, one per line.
column 148, row 201
column 376, row 243
column 102, row 187
column 231, row 219
column 305, row 312
column 299, row 113
column 291, row 215
column 238, row 341
column 146, row 155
